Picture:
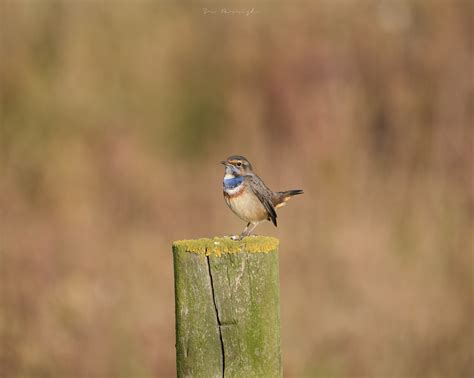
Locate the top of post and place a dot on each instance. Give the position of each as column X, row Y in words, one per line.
column 218, row 246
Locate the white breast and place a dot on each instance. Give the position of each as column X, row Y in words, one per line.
column 235, row 190
column 247, row 206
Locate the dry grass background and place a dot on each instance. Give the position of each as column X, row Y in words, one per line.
column 114, row 115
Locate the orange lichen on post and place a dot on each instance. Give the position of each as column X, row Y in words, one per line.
column 217, row 246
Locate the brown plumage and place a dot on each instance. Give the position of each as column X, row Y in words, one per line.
column 247, row 195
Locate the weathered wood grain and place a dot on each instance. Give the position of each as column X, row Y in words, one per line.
column 227, row 307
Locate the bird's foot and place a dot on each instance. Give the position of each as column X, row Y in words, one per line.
column 233, row 237
column 240, row 237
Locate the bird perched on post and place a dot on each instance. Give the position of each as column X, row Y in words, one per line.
column 248, row 196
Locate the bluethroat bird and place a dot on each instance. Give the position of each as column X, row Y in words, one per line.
column 248, row 196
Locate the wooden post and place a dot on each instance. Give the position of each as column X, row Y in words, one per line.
column 227, row 307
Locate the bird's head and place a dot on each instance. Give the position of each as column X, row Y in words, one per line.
column 236, row 165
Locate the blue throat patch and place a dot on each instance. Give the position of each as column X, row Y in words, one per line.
column 233, row 182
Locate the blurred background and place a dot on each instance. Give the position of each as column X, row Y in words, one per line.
column 114, row 116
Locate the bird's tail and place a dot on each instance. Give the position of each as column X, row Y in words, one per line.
column 280, row 198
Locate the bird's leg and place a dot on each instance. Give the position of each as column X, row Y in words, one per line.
column 247, row 230
column 239, row 237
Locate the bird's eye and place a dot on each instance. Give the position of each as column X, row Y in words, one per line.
column 239, row 164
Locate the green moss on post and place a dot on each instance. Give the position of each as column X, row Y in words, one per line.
column 227, row 307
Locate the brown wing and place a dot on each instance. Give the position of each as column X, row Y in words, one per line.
column 263, row 194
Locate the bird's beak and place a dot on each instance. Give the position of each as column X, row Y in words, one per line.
column 224, row 162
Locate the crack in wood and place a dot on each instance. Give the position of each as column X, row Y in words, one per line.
column 219, row 323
